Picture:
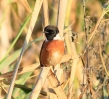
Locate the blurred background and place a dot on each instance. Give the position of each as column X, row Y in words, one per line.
column 14, row 22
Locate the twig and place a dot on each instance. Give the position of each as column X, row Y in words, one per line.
column 103, row 61
column 87, row 59
column 82, row 93
column 86, row 66
column 99, row 87
column 92, row 92
column 93, row 33
column 84, row 10
column 31, row 26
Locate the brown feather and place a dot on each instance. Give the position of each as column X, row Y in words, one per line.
column 51, row 52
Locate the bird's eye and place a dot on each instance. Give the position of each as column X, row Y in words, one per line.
column 46, row 32
column 53, row 32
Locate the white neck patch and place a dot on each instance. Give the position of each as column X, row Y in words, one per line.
column 57, row 37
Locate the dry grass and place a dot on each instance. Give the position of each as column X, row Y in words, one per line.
column 83, row 71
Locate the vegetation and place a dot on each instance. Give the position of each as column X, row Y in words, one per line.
column 83, row 72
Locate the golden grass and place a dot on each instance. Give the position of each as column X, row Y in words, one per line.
column 83, row 70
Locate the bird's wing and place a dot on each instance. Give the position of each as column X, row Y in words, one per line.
column 40, row 54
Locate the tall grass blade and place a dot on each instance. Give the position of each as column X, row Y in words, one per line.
column 15, row 40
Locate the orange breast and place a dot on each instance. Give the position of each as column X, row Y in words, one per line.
column 52, row 52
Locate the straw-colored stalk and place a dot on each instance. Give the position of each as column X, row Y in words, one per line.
column 44, row 72
column 73, row 69
column 45, row 13
column 39, row 82
column 55, row 85
column 29, row 68
column 45, row 23
column 71, row 49
column 60, row 24
column 31, row 26
column 61, row 16
column 53, row 81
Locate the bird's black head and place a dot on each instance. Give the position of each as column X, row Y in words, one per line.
column 50, row 32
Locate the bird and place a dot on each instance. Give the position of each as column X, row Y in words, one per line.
column 52, row 49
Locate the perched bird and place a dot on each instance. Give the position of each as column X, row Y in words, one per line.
column 52, row 48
